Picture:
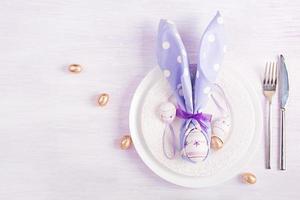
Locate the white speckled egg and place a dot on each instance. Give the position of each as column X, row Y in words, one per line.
column 167, row 112
column 221, row 127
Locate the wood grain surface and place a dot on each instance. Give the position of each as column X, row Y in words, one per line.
column 57, row 144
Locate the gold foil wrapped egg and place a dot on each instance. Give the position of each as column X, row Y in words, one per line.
column 126, row 142
column 216, row 143
column 75, row 68
column 103, row 99
column 249, row 178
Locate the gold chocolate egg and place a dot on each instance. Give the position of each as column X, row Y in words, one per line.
column 216, row 143
column 125, row 142
column 75, row 68
column 103, row 99
column 249, row 178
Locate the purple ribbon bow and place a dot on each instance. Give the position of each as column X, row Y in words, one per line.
column 201, row 118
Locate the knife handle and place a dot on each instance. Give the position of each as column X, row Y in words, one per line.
column 282, row 135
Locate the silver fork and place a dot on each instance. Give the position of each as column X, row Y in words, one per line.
column 269, row 89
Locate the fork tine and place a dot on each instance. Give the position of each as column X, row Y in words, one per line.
column 269, row 73
column 266, row 79
column 265, row 76
column 272, row 73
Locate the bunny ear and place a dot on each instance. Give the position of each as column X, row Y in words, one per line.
column 211, row 51
column 172, row 59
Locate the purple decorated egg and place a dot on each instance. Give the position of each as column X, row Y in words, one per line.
column 196, row 146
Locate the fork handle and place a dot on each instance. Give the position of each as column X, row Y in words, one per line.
column 282, row 161
column 268, row 139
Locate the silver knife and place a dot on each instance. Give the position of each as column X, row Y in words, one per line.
column 283, row 96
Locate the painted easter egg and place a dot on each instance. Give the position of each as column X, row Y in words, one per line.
column 167, row 112
column 196, row 146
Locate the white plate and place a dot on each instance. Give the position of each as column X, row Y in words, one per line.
column 146, row 131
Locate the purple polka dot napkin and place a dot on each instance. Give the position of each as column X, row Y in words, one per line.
column 192, row 94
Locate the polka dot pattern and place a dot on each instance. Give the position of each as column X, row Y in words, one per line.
column 167, row 73
column 173, row 60
column 179, row 60
column 211, row 38
column 166, row 45
column 220, row 20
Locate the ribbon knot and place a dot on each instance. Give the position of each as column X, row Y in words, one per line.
column 201, row 118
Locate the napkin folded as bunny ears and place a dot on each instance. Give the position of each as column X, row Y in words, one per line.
column 192, row 95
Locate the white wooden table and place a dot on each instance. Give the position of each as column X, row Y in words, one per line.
column 56, row 144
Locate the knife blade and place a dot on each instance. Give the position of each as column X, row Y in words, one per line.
column 283, row 97
column 283, row 83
